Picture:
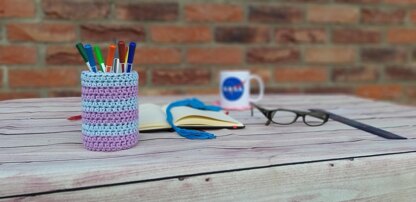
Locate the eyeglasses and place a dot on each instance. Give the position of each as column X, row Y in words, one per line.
column 288, row 116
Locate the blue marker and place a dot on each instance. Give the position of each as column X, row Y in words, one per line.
column 91, row 60
column 130, row 57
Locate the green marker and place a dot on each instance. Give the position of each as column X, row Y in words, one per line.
column 99, row 57
column 82, row 52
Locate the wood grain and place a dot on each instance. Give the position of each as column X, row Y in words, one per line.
column 383, row 178
column 41, row 151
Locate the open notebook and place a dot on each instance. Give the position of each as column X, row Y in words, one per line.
column 153, row 117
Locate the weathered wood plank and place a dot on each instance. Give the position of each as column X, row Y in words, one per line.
column 41, row 151
column 44, row 134
column 90, row 169
column 382, row 178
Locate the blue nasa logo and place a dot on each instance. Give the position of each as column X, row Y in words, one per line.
column 232, row 88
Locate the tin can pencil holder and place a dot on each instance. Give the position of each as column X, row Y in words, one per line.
column 109, row 110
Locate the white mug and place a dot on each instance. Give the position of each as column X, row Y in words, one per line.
column 235, row 89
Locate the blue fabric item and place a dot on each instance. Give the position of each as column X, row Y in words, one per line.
column 187, row 133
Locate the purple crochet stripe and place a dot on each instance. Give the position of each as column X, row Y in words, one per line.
column 109, row 93
column 105, row 97
column 107, row 115
column 110, row 143
column 110, row 90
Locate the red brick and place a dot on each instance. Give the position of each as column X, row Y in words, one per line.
column 17, row 95
column 201, row 91
column 151, row 55
column 64, row 93
column 359, row 36
column 17, row 8
column 273, row 55
column 275, row 14
column 17, row 54
column 410, row 92
column 280, row 90
column 301, row 74
column 181, row 34
column 401, row 35
column 151, row 11
column 328, row 90
column 209, row 12
column 306, row 1
column 359, row 1
column 333, row 14
column 413, row 16
column 183, row 90
column 219, row 55
column 75, row 9
column 400, row 73
column 63, row 55
column 332, row 55
column 355, row 74
column 94, row 32
column 383, row 55
column 380, row 91
column 48, row 77
column 401, row 2
column 41, row 32
column 263, row 72
column 191, row 76
column 142, row 75
column 302, row 35
column 242, row 34
column 379, row 16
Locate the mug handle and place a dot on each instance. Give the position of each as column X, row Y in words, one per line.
column 261, row 88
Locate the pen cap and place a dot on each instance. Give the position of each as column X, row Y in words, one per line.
column 110, row 55
column 132, row 49
column 122, row 50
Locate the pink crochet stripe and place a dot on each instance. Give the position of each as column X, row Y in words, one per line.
column 108, row 93
column 125, row 119
column 109, row 90
column 110, row 143
column 106, row 97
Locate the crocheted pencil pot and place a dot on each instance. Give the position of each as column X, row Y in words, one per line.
column 109, row 110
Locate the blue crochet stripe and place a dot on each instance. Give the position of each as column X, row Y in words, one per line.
column 90, row 79
column 110, row 133
column 110, row 103
column 108, row 128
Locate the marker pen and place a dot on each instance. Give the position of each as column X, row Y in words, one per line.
column 82, row 52
column 110, row 57
column 90, row 55
column 132, row 49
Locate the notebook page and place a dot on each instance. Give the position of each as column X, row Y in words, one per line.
column 181, row 113
column 151, row 116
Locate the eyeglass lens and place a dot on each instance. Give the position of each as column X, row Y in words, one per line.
column 314, row 120
column 284, row 117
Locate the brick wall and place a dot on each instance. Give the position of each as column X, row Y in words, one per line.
column 362, row 47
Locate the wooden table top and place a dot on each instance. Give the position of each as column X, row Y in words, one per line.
column 42, row 152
